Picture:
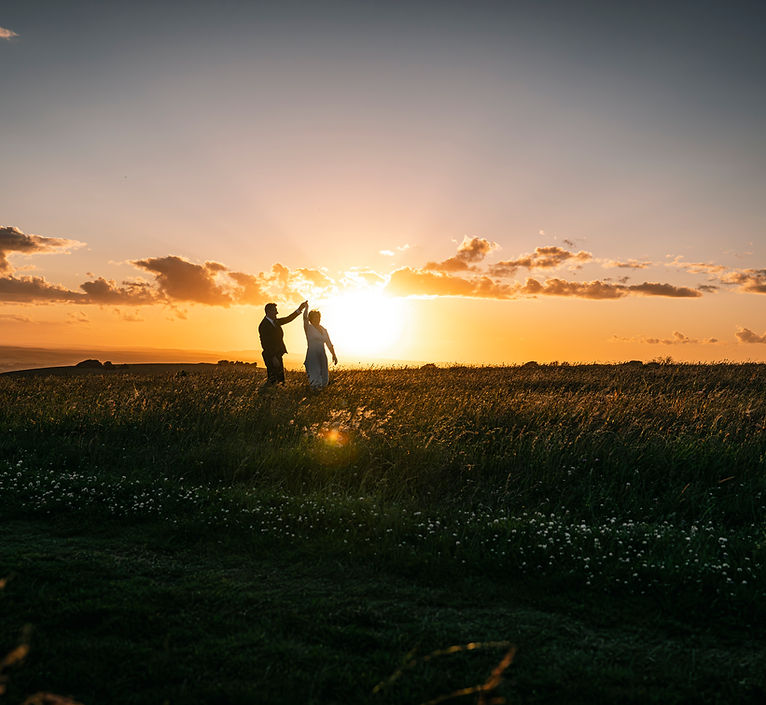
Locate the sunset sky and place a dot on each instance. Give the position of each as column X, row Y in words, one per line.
column 473, row 182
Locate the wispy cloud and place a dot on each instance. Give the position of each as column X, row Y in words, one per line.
column 745, row 335
column 78, row 318
column 677, row 339
column 14, row 318
column 127, row 316
column 696, row 267
column 7, row 33
column 399, row 248
column 627, row 264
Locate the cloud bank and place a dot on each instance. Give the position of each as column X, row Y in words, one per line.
column 412, row 282
column 177, row 280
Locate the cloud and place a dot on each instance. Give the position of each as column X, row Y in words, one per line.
column 696, row 267
column 583, row 290
column 367, row 276
column 14, row 318
column 548, row 257
column 281, row 283
column 249, row 289
column 657, row 289
column 677, row 339
column 103, row 291
column 12, row 240
column 314, row 277
column 745, row 335
column 77, row 318
column 128, row 317
column 35, row 289
column 750, row 280
column 469, row 252
column 413, row 282
column 7, row 33
column 628, row 264
column 181, row 280
column 604, row 290
column 399, row 248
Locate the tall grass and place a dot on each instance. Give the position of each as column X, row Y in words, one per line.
column 685, row 441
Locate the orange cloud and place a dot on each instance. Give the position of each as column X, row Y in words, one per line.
column 628, row 264
column 413, row 282
column 656, row 289
column 35, row 289
column 12, row 240
column 677, row 339
column 249, row 289
column 745, row 335
column 181, row 280
column 14, row 318
column 314, row 277
column 470, row 251
column 696, row 267
column 102, row 291
column 548, row 257
column 750, row 280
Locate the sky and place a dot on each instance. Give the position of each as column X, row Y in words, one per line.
column 481, row 183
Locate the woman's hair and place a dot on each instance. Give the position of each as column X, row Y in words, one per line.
column 314, row 317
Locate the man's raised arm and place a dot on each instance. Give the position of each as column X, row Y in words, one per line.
column 293, row 315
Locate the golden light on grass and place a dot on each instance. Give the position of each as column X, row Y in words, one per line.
column 365, row 322
column 334, row 437
column 483, row 691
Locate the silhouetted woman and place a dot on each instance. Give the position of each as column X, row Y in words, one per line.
column 316, row 358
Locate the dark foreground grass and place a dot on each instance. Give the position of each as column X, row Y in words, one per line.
column 129, row 617
column 198, row 539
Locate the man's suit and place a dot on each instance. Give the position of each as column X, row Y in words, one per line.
column 273, row 346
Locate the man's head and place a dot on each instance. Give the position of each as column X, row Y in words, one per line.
column 270, row 310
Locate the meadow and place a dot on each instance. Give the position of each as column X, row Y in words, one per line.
column 200, row 538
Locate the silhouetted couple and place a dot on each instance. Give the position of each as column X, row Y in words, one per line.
column 273, row 345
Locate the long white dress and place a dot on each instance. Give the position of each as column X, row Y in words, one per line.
column 316, row 358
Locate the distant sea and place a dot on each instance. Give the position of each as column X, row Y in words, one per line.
column 20, row 358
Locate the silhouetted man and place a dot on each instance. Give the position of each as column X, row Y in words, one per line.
column 272, row 341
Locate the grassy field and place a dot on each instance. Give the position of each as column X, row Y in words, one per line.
column 197, row 538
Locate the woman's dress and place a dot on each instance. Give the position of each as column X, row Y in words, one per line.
column 316, row 358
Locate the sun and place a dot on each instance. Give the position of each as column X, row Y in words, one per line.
column 365, row 322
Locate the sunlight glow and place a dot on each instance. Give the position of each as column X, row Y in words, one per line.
column 364, row 322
